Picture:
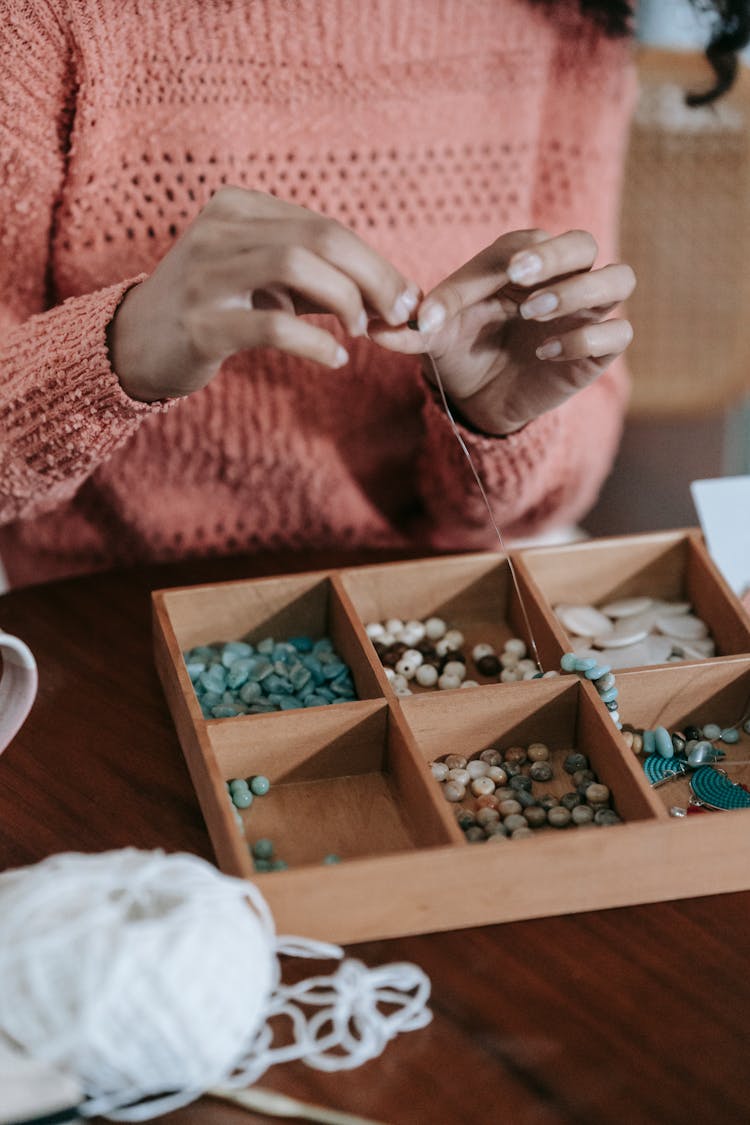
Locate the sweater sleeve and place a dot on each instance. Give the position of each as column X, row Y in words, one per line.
column 62, row 409
column 550, row 472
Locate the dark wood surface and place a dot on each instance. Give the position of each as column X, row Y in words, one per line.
column 628, row 1016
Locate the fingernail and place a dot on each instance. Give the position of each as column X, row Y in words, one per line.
column 524, row 268
column 360, row 325
column 405, row 305
column 549, row 350
column 341, row 358
column 431, row 317
column 539, row 305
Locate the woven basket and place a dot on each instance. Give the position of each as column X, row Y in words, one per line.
column 686, row 232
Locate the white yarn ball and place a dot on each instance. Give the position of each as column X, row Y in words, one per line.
column 137, row 972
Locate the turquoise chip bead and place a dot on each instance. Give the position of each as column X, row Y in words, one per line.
column 251, row 692
column 711, row 731
column 315, row 701
column 242, row 798
column 325, row 644
column 289, row 702
column 663, row 742
column 299, row 676
column 213, row 678
column 332, row 858
column 195, row 667
column 234, row 650
column 225, row 711
column 649, row 742
column 211, row 699
column 259, row 785
column 333, row 669
column 302, row 644
column 263, row 848
column 584, row 663
column 730, row 736
column 569, row 662
column 239, row 671
column 597, row 671
column 266, row 646
column 609, row 696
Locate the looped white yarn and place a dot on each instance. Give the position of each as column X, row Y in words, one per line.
column 153, row 978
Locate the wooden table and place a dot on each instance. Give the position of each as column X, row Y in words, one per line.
column 636, row 1016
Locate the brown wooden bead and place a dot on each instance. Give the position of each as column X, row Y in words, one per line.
column 515, row 755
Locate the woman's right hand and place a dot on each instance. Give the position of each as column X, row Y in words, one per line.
column 237, row 279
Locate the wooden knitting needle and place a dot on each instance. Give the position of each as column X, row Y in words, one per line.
column 279, row 1105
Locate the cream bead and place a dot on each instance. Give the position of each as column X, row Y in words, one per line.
column 470, row 683
column 477, row 768
column 399, row 682
column 481, row 650
column 403, row 691
column 394, row 625
column 454, row 638
column 374, row 630
column 453, row 791
column 390, row 674
column 497, row 774
column 508, row 676
column 416, row 627
column 439, row 771
column 516, row 647
column 508, row 660
column 426, row 675
column 387, row 638
column 455, row 762
column 526, row 666
column 482, row 786
column 408, row 637
column 462, row 776
column 435, row 628
column 454, row 668
column 406, row 668
column 448, row 683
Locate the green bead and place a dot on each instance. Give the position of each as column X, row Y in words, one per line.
column 242, row 798
column 730, row 735
column 259, row 785
column 279, row 865
column 262, row 865
column 332, row 858
column 263, row 848
column 238, row 784
column 568, row 662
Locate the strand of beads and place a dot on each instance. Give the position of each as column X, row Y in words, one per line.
column 600, row 675
column 494, row 792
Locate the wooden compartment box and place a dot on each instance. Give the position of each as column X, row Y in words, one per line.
column 354, row 779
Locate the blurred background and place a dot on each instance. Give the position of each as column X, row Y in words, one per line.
column 686, row 232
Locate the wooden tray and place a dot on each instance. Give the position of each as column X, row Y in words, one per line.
column 354, row 778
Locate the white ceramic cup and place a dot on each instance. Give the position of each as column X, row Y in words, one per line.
column 18, row 685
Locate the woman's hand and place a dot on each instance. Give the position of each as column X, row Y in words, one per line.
column 520, row 328
column 237, row 279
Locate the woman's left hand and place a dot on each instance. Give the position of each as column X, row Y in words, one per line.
column 520, row 328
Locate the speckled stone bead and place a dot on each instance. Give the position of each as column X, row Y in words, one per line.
column 540, row 771
column 514, row 821
column 520, row 781
column 475, row 835
column 582, row 814
column 606, row 817
column 583, row 777
column 637, row 742
column 491, row 756
column 455, row 761
column 535, row 816
column 512, row 769
column 692, row 733
column 525, row 798
column 628, row 738
column 454, row 791
column 496, row 831
column 521, row 833
column 575, row 762
column 487, row 816
column 678, row 742
column 509, row 808
column 462, row 776
column 571, row 801
column 597, row 794
column 537, row 752
column 488, row 801
column 505, row 793
column 439, row 770
column 477, row 768
column 498, row 775
column 515, row 755
column 559, row 817
column 465, row 817
column 482, row 786
column 548, row 801
column 606, row 682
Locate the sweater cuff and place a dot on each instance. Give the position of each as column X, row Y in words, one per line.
column 65, row 409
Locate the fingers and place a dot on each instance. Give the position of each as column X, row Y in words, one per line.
column 248, row 219
column 292, row 268
column 600, row 289
column 217, row 334
column 601, row 341
column 475, row 281
column 567, row 253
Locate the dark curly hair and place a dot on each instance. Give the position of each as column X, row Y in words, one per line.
column 729, row 34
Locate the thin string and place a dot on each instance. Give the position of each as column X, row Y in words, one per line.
column 488, row 506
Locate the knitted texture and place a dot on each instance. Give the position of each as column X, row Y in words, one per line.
column 428, row 128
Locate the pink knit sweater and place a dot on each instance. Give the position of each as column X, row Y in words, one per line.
column 428, row 127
